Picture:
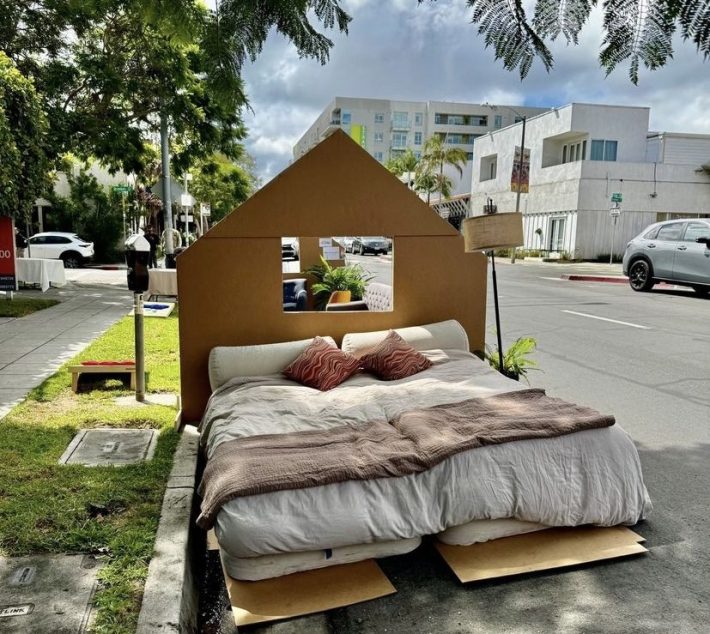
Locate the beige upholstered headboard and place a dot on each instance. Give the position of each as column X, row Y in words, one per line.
column 230, row 280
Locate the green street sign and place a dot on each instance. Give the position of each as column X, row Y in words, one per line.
column 616, row 197
column 122, row 189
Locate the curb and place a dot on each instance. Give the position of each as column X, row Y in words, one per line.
column 576, row 277
column 107, row 267
column 170, row 597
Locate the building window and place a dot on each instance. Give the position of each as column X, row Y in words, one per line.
column 418, row 119
column 379, row 137
column 441, row 118
column 345, row 118
column 489, row 167
column 603, row 150
column 379, row 117
column 378, row 156
column 417, row 155
column 399, row 139
column 564, row 153
column 400, row 119
column 469, row 156
column 417, row 138
column 499, row 122
column 584, row 151
column 481, row 120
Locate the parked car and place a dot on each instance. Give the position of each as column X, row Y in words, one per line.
column 289, row 248
column 675, row 251
column 346, row 242
column 60, row 245
column 370, row 244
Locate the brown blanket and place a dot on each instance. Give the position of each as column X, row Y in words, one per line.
column 414, row 442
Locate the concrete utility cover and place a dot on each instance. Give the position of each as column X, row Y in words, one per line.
column 47, row 594
column 105, row 447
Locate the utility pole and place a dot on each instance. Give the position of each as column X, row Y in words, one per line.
column 520, row 180
column 167, row 206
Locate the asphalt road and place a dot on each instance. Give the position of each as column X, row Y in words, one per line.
column 643, row 357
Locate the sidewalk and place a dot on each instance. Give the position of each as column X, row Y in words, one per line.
column 33, row 347
column 576, row 271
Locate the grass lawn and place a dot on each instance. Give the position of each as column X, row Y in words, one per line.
column 110, row 511
column 21, row 306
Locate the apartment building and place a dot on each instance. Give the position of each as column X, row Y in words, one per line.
column 584, row 160
column 386, row 128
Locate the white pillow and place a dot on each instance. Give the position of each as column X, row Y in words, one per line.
column 443, row 335
column 227, row 362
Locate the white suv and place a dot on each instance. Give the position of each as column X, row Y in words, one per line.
column 57, row 245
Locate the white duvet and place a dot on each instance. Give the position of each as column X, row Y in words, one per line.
column 590, row 477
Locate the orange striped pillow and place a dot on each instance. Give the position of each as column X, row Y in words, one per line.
column 322, row 366
column 393, row 358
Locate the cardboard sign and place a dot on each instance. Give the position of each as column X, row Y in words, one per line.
column 8, row 280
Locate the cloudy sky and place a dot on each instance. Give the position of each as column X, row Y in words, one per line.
column 399, row 49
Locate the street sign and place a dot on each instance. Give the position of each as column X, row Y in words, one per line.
column 122, row 189
column 616, row 197
column 615, row 212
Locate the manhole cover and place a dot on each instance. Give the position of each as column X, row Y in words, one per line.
column 46, row 594
column 105, row 447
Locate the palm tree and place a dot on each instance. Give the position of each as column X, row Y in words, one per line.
column 405, row 163
column 435, row 156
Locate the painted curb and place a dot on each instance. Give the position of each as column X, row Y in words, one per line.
column 575, row 277
column 170, row 597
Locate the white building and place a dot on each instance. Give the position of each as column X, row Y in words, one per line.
column 387, row 128
column 580, row 156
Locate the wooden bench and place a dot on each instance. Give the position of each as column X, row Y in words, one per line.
column 99, row 368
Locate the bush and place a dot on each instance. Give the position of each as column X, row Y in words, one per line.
column 90, row 212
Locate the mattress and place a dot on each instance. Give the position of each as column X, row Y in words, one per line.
column 590, row 477
column 268, row 566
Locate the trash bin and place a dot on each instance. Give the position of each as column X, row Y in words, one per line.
column 137, row 260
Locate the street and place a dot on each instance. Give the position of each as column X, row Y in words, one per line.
column 642, row 357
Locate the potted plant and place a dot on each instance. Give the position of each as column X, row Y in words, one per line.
column 516, row 361
column 351, row 278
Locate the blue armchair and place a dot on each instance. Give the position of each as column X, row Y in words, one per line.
column 295, row 295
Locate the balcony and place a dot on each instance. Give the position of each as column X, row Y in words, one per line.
column 401, row 125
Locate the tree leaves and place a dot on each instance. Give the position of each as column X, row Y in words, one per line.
column 637, row 31
column 504, row 25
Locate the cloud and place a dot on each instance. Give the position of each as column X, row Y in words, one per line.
column 401, row 49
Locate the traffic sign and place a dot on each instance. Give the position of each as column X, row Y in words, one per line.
column 616, row 197
column 615, row 212
column 122, row 189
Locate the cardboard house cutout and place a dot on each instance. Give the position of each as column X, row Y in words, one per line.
column 230, row 280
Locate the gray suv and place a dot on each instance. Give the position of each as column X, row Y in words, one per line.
column 675, row 251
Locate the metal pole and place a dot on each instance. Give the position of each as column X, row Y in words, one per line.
column 520, row 180
column 613, row 235
column 140, row 360
column 167, row 206
column 497, row 311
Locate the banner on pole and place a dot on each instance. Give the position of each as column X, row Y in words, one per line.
column 524, row 177
column 8, row 279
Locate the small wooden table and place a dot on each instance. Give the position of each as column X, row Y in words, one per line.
column 77, row 370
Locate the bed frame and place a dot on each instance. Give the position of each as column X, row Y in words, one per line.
column 230, row 280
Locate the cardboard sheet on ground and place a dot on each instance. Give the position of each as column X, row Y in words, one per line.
column 305, row 592
column 542, row 550
column 156, row 309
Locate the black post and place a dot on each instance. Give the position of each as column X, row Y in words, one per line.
column 495, row 302
column 140, row 358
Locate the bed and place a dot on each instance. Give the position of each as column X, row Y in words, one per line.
column 588, row 477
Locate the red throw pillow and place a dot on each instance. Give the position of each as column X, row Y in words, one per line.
column 322, row 366
column 393, row 358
